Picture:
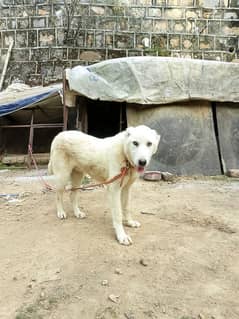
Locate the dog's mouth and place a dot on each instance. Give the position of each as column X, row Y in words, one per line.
column 140, row 169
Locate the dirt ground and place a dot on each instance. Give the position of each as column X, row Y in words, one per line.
column 183, row 264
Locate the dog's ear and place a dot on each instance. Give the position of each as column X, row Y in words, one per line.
column 129, row 131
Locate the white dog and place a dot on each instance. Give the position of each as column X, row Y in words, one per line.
column 74, row 154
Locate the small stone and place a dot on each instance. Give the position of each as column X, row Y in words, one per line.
column 233, row 173
column 42, row 295
column 118, row 271
column 167, row 177
column 105, row 282
column 143, row 262
column 114, row 298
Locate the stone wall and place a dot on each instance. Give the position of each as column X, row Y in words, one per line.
column 50, row 35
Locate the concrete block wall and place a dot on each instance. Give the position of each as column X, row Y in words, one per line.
column 50, row 35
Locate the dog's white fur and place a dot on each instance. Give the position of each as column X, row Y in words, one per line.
column 74, row 154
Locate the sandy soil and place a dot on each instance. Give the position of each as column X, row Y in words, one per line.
column 184, row 263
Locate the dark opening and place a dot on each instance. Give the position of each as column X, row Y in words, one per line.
column 105, row 118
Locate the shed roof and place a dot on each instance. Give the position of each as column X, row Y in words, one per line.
column 156, row 80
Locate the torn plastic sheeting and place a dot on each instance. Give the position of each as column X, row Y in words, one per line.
column 16, row 105
column 156, row 80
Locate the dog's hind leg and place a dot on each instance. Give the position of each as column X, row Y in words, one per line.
column 127, row 218
column 76, row 178
column 61, row 182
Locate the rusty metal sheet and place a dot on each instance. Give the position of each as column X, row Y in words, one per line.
column 188, row 144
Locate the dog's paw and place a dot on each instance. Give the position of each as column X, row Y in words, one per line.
column 61, row 215
column 124, row 239
column 80, row 214
column 132, row 223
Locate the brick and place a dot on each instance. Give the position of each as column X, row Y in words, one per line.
column 206, row 43
column 99, row 10
column 230, row 27
column 226, row 43
column 140, row 40
column 174, row 42
column 230, row 14
column 5, row 12
column 134, row 52
column 99, row 39
column 193, row 14
column 160, row 25
column 58, row 53
column 136, row 12
column 37, row 22
column 109, row 40
column 154, row 12
column 117, row 11
column 177, row 26
column 125, row 40
column 105, row 23
column 90, row 39
column 39, row 54
column 77, row 22
column 47, row 38
column 159, row 42
column 147, row 25
column 190, row 42
column 135, row 24
column 21, row 39
column 122, row 24
column 7, row 36
column 172, row 13
column 214, row 26
column 43, row 10
column 22, row 23
column 201, row 26
column 3, row 24
column 113, row 54
column 93, row 55
column 32, row 38
column 11, row 23
column 20, row 54
column 73, row 54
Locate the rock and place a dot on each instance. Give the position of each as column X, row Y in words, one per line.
column 114, row 298
column 143, row 262
column 118, row 271
column 233, row 173
column 105, row 282
column 167, row 177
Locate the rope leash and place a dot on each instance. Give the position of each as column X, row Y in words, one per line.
column 48, row 187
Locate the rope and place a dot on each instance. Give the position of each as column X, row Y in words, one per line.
column 47, row 186
column 123, row 172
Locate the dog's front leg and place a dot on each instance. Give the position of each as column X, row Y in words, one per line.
column 125, row 196
column 116, row 211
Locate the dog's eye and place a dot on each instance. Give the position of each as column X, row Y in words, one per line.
column 135, row 143
column 149, row 144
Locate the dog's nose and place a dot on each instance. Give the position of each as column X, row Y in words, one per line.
column 142, row 162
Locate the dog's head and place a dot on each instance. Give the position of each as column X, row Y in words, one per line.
column 141, row 143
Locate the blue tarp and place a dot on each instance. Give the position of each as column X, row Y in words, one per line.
column 16, row 105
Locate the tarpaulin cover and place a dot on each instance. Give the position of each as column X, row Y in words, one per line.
column 156, row 80
column 11, row 101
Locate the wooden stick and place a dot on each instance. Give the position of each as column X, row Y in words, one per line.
column 6, row 64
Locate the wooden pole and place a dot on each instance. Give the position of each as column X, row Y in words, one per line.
column 6, row 64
